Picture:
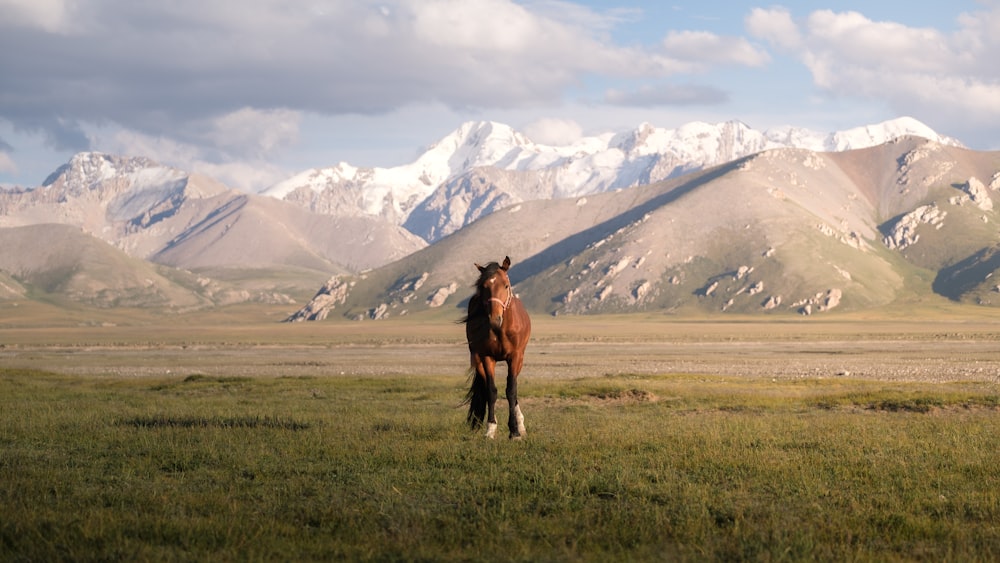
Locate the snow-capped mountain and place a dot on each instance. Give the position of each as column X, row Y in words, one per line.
column 121, row 200
column 590, row 224
column 858, row 137
column 785, row 231
column 153, row 213
column 455, row 181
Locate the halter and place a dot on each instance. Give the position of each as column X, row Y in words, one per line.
column 504, row 304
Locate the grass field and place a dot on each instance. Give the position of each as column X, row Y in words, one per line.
column 343, row 441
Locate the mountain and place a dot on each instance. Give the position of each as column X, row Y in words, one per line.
column 252, row 244
column 705, row 217
column 484, row 166
column 781, row 231
column 124, row 201
column 63, row 260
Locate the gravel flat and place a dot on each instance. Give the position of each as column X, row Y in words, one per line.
column 931, row 359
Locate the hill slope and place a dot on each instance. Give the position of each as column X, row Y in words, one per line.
column 166, row 216
column 786, row 230
column 63, row 261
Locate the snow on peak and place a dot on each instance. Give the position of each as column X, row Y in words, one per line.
column 857, row 137
column 316, row 179
column 88, row 169
column 473, row 144
column 590, row 164
column 886, row 131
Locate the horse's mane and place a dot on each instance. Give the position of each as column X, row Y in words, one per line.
column 489, row 271
column 476, row 308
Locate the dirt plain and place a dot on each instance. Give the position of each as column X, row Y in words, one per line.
column 955, row 349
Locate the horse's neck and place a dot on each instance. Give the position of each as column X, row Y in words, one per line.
column 476, row 306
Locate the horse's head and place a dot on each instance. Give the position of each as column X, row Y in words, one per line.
column 494, row 291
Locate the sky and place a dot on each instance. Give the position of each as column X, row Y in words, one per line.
column 253, row 91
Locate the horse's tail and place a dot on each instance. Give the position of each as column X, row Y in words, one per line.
column 476, row 398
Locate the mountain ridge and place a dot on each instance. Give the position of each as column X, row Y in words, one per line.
column 781, row 231
column 165, row 216
column 734, row 230
column 458, row 167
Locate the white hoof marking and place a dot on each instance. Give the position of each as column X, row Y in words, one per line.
column 520, row 420
column 491, row 430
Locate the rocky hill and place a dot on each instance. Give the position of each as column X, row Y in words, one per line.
column 783, row 231
column 67, row 262
column 705, row 218
column 249, row 245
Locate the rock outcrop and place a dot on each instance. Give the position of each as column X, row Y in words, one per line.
column 333, row 293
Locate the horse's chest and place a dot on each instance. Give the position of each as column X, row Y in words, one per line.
column 497, row 345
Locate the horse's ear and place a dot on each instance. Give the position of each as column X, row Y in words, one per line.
column 481, row 268
column 506, row 263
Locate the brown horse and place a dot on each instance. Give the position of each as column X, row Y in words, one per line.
column 497, row 328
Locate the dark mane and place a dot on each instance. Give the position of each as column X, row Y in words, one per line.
column 475, row 305
column 489, row 271
column 475, row 310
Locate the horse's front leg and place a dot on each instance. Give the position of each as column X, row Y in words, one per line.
column 515, row 420
column 489, row 369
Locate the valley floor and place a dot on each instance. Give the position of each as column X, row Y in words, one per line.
column 649, row 439
column 937, row 351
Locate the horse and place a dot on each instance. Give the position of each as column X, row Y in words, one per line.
column 497, row 328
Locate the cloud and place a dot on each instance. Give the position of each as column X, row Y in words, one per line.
column 667, row 95
column 252, row 132
column 250, row 176
column 47, row 15
column 231, row 79
column 58, row 133
column 553, row 132
column 704, row 48
column 775, row 25
column 850, row 38
column 247, row 173
column 7, row 164
column 951, row 81
column 154, row 66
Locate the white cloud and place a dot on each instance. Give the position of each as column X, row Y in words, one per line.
column 226, row 80
column 480, row 25
column 247, row 174
column 7, row 164
column 853, row 39
column 216, row 81
column 51, row 16
column 950, row 81
column 774, row 25
column 666, row 95
column 167, row 68
column 704, row 48
column 253, row 132
column 181, row 60
column 554, row 132
column 236, row 148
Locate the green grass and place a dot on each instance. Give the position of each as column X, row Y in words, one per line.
column 685, row 467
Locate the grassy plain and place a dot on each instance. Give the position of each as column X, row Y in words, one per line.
column 221, row 438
